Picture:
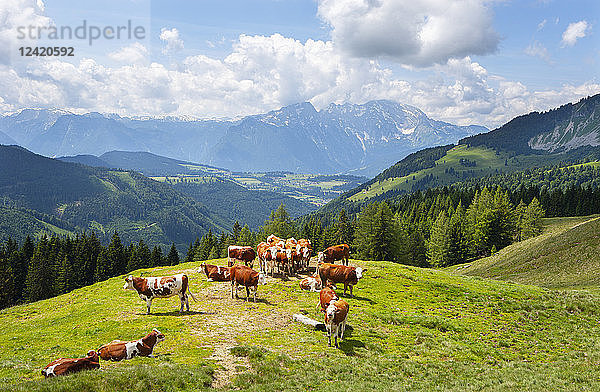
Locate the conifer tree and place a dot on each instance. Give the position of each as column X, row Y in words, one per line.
column 532, row 219
column 39, row 283
column 173, row 257
column 438, row 246
column 156, row 258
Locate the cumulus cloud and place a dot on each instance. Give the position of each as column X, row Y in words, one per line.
column 573, row 32
column 135, row 53
column 413, row 32
column 171, row 39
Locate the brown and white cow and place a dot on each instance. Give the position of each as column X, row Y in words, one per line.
column 160, row 287
column 349, row 276
column 118, row 350
column 245, row 254
column 64, row 366
column 273, row 240
column 327, row 295
column 265, row 255
column 215, row 273
column 304, row 247
column 335, row 252
column 312, row 283
column 247, row 277
column 335, row 319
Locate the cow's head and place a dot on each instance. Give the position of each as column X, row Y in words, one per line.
column 128, row 283
column 159, row 336
column 93, row 355
column 262, row 278
column 330, row 312
column 288, row 254
column 359, row 272
column 321, row 257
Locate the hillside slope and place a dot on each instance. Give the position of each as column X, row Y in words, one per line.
column 564, row 256
column 415, row 329
column 102, row 200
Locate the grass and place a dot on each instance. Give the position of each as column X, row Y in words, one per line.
column 408, row 329
column 564, row 256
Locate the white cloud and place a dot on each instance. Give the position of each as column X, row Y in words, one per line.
column 13, row 15
column 536, row 49
column 172, row 41
column 541, row 25
column 413, row 32
column 573, row 32
column 135, row 53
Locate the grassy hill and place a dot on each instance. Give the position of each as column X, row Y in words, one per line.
column 564, row 256
column 408, row 329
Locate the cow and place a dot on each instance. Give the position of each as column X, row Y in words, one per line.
column 160, row 287
column 349, row 276
column 215, row 273
column 273, row 240
column 291, row 243
column 304, row 247
column 327, row 295
column 312, row 283
column 64, row 366
column 118, row 350
column 245, row 254
column 335, row 319
column 294, row 258
column 265, row 255
column 246, row 276
column 336, row 252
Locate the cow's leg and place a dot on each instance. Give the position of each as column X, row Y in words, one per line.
column 345, row 286
column 148, row 304
column 336, row 335
column 182, row 300
column 232, row 283
column 255, row 290
column 247, row 293
column 342, row 329
column 329, row 334
column 351, row 291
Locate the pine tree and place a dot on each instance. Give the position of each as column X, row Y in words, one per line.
column 156, row 258
column 144, row 255
column 64, row 279
column 246, row 237
column 7, row 283
column 438, row 246
column 102, row 266
column 458, row 249
column 343, row 229
column 117, row 257
column 365, row 236
column 532, row 219
column 279, row 223
column 39, row 283
column 173, row 257
column 235, row 232
column 189, row 256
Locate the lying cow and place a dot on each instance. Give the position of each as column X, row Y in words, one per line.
column 349, row 276
column 118, row 350
column 334, row 253
column 245, row 254
column 64, row 366
column 215, row 273
column 335, row 320
column 246, row 276
column 313, row 283
column 160, row 287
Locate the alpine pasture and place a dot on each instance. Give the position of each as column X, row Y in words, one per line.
column 408, row 329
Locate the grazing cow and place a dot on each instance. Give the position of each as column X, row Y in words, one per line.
column 160, row 287
column 245, row 254
column 215, row 273
column 336, row 252
column 118, row 350
column 64, row 366
column 246, row 276
column 327, row 295
column 349, row 276
column 335, row 319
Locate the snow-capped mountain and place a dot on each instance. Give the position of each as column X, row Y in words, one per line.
column 339, row 138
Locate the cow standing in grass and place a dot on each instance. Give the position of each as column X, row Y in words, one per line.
column 335, row 319
column 247, row 277
column 160, row 287
column 245, row 254
column 334, row 253
column 349, row 276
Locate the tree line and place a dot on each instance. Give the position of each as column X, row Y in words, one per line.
column 55, row 265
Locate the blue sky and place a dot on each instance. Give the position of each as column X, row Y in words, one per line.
column 465, row 61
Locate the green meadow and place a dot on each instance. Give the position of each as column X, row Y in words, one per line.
column 408, row 329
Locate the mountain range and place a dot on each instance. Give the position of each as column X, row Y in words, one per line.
column 361, row 139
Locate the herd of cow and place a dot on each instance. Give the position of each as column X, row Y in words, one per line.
column 287, row 256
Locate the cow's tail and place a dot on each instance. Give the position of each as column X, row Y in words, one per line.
column 192, row 295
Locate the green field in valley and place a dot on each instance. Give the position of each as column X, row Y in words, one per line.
column 408, row 329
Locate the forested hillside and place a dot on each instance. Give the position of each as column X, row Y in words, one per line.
column 102, row 200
